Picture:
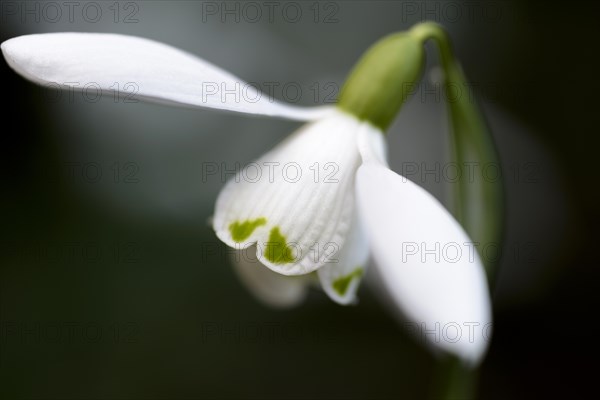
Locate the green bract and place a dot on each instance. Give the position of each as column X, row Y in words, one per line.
column 383, row 78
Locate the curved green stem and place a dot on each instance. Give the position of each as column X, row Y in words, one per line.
column 430, row 30
column 452, row 380
column 478, row 200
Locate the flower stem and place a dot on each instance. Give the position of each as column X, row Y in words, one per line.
column 478, row 203
column 453, row 380
column 478, row 200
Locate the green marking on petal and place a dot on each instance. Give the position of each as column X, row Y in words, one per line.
column 242, row 231
column 340, row 285
column 277, row 251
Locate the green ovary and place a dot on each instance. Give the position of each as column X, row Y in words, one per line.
column 242, row 231
column 277, row 251
column 383, row 79
column 340, row 285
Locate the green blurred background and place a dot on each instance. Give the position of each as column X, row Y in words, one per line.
column 113, row 285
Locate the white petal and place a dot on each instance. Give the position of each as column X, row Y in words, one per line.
column 415, row 244
column 296, row 201
column 341, row 276
column 371, row 144
column 273, row 289
column 142, row 68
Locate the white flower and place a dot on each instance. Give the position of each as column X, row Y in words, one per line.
column 327, row 199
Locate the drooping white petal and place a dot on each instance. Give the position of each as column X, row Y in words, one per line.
column 273, row 289
column 296, row 201
column 340, row 277
column 427, row 262
column 139, row 68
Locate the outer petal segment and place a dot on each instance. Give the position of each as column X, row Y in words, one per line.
column 139, row 68
column 427, row 262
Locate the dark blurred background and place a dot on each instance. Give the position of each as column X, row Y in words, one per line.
column 113, row 285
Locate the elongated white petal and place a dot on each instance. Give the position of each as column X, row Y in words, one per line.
column 273, row 289
column 427, row 262
column 341, row 275
column 296, row 201
column 140, row 68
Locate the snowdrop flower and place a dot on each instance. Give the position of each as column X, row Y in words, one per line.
column 328, row 199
